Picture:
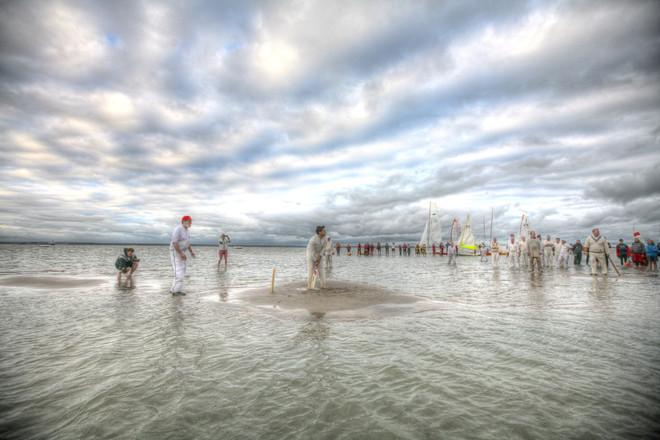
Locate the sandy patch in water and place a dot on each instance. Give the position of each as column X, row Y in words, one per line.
column 339, row 299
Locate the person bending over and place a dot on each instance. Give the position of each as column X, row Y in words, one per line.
column 127, row 263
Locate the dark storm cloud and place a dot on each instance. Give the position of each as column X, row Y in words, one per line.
column 644, row 182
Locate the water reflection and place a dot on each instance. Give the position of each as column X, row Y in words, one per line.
column 316, row 330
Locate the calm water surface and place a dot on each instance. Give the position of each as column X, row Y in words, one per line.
column 507, row 354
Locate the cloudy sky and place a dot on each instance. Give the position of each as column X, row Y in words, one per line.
column 264, row 119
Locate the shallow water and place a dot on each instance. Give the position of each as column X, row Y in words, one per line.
column 506, row 354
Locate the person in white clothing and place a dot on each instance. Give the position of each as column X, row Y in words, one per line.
column 512, row 249
column 597, row 248
column 548, row 250
column 557, row 250
column 451, row 253
column 495, row 252
column 179, row 244
column 523, row 260
column 313, row 254
column 562, row 260
column 328, row 252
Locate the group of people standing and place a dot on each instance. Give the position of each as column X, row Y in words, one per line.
column 558, row 253
column 180, row 247
column 531, row 251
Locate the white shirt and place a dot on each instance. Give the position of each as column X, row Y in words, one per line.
column 181, row 236
column 328, row 249
column 314, row 248
column 224, row 243
column 512, row 247
column 596, row 245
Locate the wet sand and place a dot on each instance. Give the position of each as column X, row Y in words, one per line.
column 49, row 282
column 340, row 298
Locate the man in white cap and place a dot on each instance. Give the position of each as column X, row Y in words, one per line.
column 179, row 243
column 512, row 249
column 313, row 254
column 596, row 247
column 223, row 249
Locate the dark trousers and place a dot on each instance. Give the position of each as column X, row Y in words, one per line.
column 578, row 258
column 623, row 259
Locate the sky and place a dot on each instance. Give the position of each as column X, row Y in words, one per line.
column 264, row 119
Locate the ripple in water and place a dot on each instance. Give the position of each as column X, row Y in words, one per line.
column 500, row 353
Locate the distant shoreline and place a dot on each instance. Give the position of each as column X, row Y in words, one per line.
column 33, row 243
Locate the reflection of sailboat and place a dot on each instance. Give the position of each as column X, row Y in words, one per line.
column 466, row 243
column 432, row 232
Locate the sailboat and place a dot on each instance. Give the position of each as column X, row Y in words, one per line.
column 524, row 227
column 432, row 232
column 466, row 243
column 455, row 231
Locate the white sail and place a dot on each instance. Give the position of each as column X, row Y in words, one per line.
column 432, row 232
column 524, row 227
column 467, row 245
column 455, row 232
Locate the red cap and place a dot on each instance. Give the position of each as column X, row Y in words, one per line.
column 636, row 234
column 186, row 218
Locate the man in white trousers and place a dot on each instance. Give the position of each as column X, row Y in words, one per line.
column 548, row 252
column 562, row 260
column 524, row 255
column 512, row 248
column 328, row 252
column 451, row 253
column 495, row 252
column 179, row 244
column 313, row 253
column 596, row 247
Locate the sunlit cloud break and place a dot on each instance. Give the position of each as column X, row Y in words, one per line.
column 264, row 119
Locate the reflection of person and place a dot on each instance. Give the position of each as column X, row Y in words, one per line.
column 127, row 263
column 313, row 255
column 597, row 248
column 179, row 243
column 223, row 249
